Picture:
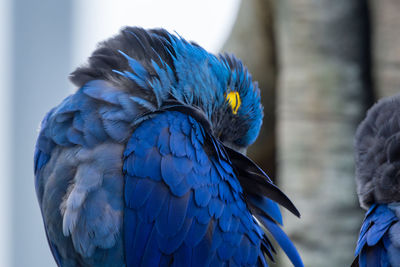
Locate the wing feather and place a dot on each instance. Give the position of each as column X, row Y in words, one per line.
column 78, row 174
column 376, row 244
column 194, row 206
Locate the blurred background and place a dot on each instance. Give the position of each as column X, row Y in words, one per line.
column 320, row 65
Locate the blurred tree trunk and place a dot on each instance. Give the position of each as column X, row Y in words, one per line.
column 251, row 40
column 386, row 46
column 323, row 91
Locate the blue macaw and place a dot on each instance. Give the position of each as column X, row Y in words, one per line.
column 144, row 165
column 377, row 154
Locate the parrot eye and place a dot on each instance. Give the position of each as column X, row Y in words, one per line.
column 234, row 101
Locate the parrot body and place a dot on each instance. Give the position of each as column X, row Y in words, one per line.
column 142, row 165
column 377, row 146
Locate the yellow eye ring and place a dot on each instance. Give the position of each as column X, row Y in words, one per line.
column 234, row 101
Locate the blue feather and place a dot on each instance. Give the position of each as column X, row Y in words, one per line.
column 202, row 254
column 44, row 143
column 177, row 213
column 163, row 142
column 137, row 79
column 182, row 165
column 143, row 102
column 177, row 144
column 130, row 187
column 129, row 107
column 101, row 90
column 58, row 134
column 201, row 156
column 162, row 219
column 117, row 130
column 41, row 159
column 75, row 137
column 168, row 245
column 153, row 207
column 193, row 180
column 78, row 122
column 203, row 216
column 157, row 90
column 150, row 165
column 140, row 149
column 152, row 253
column 142, row 192
column 226, row 250
column 69, row 104
column 252, row 259
column 196, row 233
column 93, row 125
column 183, row 256
column 283, row 241
column 235, row 223
column 136, row 66
column 168, row 171
column 63, row 117
column 181, row 189
column 143, row 231
column 113, row 113
column 226, row 219
column 202, row 196
column 244, row 250
column 269, row 207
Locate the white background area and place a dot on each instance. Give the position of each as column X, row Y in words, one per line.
column 206, row 22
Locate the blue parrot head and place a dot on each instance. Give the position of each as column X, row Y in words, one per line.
column 165, row 67
column 222, row 88
column 239, row 117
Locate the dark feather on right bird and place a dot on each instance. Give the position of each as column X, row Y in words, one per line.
column 377, row 155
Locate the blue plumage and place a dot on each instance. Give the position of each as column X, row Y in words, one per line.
column 140, row 167
column 378, row 243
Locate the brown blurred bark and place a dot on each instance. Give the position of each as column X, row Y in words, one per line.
column 252, row 41
column 386, row 46
column 323, row 91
